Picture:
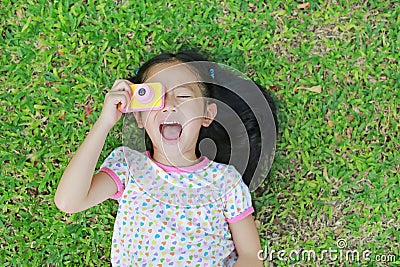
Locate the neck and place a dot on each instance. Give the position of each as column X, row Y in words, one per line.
column 175, row 158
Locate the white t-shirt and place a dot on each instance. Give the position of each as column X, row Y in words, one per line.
column 170, row 216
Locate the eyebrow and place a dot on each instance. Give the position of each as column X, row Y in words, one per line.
column 193, row 87
column 186, row 86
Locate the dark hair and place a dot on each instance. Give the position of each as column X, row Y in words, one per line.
column 217, row 132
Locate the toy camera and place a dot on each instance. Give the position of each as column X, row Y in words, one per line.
column 146, row 96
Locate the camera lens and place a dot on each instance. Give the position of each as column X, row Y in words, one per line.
column 142, row 91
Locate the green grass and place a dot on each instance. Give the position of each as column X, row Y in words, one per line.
column 335, row 174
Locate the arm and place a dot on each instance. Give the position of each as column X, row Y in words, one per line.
column 247, row 242
column 79, row 189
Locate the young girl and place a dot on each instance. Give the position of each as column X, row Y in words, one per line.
column 176, row 207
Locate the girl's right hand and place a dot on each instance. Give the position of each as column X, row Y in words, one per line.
column 79, row 189
column 118, row 98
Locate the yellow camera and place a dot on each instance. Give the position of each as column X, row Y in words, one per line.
column 146, row 96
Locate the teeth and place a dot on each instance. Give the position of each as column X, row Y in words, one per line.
column 169, row 122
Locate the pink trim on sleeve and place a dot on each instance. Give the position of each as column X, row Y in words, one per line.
column 118, row 183
column 241, row 215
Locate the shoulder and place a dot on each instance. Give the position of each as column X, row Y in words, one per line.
column 122, row 156
column 226, row 178
column 230, row 174
column 126, row 152
column 226, row 168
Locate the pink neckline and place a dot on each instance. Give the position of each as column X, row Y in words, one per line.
column 204, row 161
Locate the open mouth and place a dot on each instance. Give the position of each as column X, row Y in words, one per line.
column 171, row 130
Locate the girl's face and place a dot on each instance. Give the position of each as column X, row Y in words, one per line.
column 174, row 130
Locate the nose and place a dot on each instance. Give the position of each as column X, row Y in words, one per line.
column 169, row 103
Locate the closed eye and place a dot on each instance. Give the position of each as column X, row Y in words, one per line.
column 184, row 96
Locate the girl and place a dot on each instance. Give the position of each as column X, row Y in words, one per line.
column 176, row 207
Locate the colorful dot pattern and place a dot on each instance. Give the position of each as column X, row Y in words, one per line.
column 150, row 231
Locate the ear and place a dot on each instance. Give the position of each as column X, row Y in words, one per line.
column 138, row 117
column 211, row 112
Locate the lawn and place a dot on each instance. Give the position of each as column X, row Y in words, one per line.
column 333, row 67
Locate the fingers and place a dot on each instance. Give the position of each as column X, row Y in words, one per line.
column 119, row 99
column 121, row 85
column 120, row 94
